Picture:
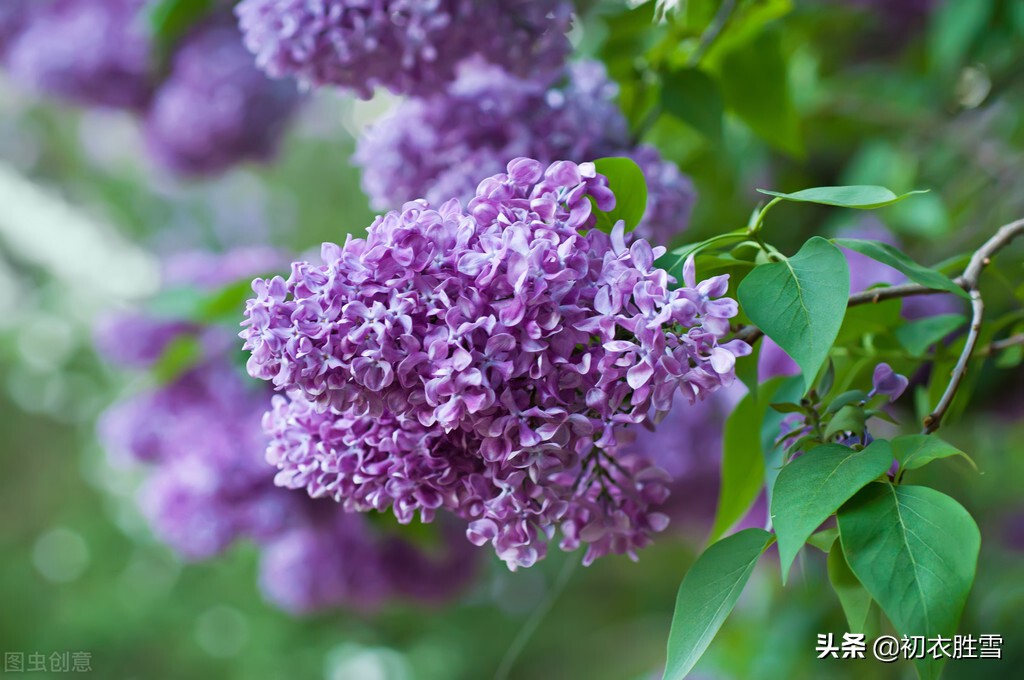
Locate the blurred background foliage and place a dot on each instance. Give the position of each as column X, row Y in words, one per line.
column 780, row 95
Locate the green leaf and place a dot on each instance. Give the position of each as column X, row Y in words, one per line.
column 181, row 354
column 851, row 397
column 915, row 550
column 693, row 97
column 862, row 197
column 748, row 454
column 867, row 320
column 755, row 85
column 176, row 303
column 223, row 305
column 693, row 248
column 917, row 450
column 742, row 465
column 853, row 597
column 800, row 303
column 781, row 389
column 824, row 540
column 228, row 303
column 747, row 21
column 812, row 487
column 850, row 418
column 169, row 20
column 954, row 28
column 707, row 595
column 918, row 336
column 886, row 254
column 626, row 180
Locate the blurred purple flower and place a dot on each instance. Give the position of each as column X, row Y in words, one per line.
column 484, row 360
column 215, row 109
column 92, row 52
column 439, row 146
column 209, row 484
column 407, row 46
column 888, row 382
column 687, row 444
column 330, row 562
column 13, row 15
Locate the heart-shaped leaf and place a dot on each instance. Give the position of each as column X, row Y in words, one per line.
column 813, row 486
column 800, row 303
column 916, row 551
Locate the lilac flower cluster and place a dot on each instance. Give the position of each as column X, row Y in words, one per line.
column 13, row 14
column 437, row 147
column 212, row 109
column 215, row 108
column 94, row 52
column 687, row 444
column 407, row 46
column 208, row 484
column 485, row 360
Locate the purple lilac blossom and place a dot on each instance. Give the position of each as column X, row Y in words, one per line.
column 349, row 572
column 885, row 381
column 92, row 52
column 208, row 483
column 888, row 382
column 406, row 46
column 687, row 444
column 215, row 108
column 439, row 146
column 13, row 15
column 485, row 360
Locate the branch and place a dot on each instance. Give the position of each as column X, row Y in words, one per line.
column 711, row 33
column 981, row 258
column 997, row 346
column 969, row 282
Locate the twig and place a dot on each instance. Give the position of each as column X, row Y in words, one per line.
column 876, row 295
column 707, row 39
column 1006, row 343
column 981, row 258
column 969, row 282
column 711, row 33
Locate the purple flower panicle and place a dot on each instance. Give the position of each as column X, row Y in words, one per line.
column 438, row 147
column 407, row 46
column 13, row 16
column 485, row 360
column 208, row 483
column 93, row 52
column 215, row 109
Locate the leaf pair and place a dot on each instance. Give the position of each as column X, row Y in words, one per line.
column 801, row 302
column 912, row 550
